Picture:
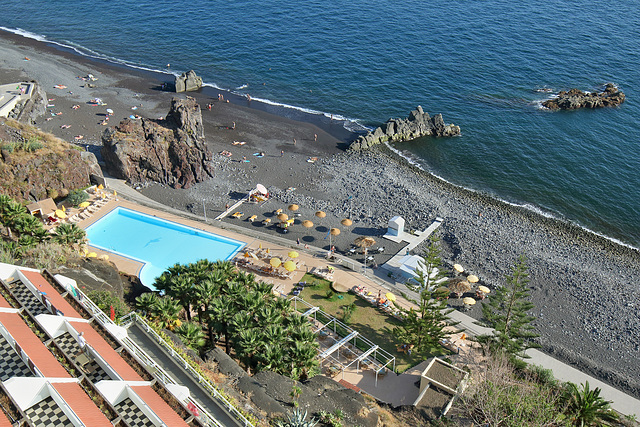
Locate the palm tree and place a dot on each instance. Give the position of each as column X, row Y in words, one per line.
column 271, row 358
column 248, row 344
column 165, row 312
column 182, row 289
column 27, row 224
column 146, row 302
column 69, row 234
column 587, row 408
column 302, row 359
column 205, row 293
column 191, row 335
column 11, row 211
column 221, row 312
column 226, row 268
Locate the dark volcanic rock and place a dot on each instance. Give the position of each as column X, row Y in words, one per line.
column 418, row 124
column 170, row 151
column 610, row 97
column 188, row 81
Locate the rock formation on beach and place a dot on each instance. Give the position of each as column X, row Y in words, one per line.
column 575, row 98
column 170, row 151
column 418, row 124
column 187, row 82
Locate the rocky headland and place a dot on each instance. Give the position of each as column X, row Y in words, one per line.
column 611, row 96
column 170, row 151
column 418, row 124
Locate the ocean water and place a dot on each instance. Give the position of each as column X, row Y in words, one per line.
column 477, row 63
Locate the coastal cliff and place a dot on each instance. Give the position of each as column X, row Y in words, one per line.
column 418, row 124
column 575, row 98
column 170, row 151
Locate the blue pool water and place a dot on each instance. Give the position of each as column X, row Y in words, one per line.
column 156, row 242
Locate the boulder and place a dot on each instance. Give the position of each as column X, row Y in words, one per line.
column 170, row 151
column 187, row 82
column 417, row 125
column 611, row 96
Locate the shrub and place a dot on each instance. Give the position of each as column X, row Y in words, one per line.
column 105, row 300
column 76, row 197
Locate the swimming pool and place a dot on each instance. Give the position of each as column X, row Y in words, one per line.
column 157, row 243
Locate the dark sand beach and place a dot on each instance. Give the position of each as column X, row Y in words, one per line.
column 583, row 286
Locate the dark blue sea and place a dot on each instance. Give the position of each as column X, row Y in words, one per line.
column 479, row 63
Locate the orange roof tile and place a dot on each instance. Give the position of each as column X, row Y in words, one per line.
column 159, row 406
column 31, row 344
column 4, row 303
column 52, row 294
column 4, row 420
column 95, row 340
column 81, row 404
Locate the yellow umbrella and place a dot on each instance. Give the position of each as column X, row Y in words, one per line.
column 283, row 217
column 294, row 207
column 260, row 246
column 472, row 279
column 104, row 257
column 390, row 296
column 275, row 262
column 115, row 194
column 458, row 268
column 293, row 254
column 100, row 187
column 484, row 289
column 346, row 222
column 289, row 265
column 60, row 214
column 84, row 204
column 307, row 224
column 468, row 301
column 320, row 214
column 92, row 255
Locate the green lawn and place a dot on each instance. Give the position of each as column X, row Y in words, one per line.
column 372, row 323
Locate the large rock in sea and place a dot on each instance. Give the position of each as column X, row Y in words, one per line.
column 187, row 82
column 417, row 125
column 575, row 98
column 170, row 151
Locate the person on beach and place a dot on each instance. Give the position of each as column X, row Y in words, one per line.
column 281, row 153
column 294, row 141
column 234, row 125
column 298, row 241
column 315, row 137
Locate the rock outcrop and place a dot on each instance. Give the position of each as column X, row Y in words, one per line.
column 418, row 124
column 187, row 82
column 575, row 98
column 170, row 151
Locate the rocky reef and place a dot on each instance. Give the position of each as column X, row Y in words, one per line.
column 187, row 82
column 170, row 151
column 575, row 98
column 418, row 124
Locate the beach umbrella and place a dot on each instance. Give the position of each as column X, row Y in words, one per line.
column 307, row 224
column 84, row 204
column 333, row 232
column 460, row 287
column 260, row 246
column 289, row 265
column 472, row 279
column 275, row 262
column 283, row 217
column 365, row 242
column 92, row 255
column 109, row 111
column 293, row 207
column 458, row 268
column 321, row 214
column 268, row 250
column 390, row 296
column 60, row 213
column 468, row 301
column 247, row 255
column 262, row 189
column 484, row 289
column 104, row 257
column 346, row 222
column 293, row 254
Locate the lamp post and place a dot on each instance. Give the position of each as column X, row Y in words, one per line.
column 204, row 210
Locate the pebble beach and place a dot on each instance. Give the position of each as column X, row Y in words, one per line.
column 583, row 286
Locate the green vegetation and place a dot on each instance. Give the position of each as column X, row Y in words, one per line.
column 237, row 310
column 586, row 407
column 105, row 300
column 424, row 327
column 76, row 197
column 506, row 313
column 297, row 418
column 371, row 322
column 32, row 144
column 191, row 335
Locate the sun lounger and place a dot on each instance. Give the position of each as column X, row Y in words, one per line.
column 238, row 215
column 252, row 218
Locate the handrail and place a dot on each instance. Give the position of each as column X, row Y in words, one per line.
column 204, row 382
column 204, row 415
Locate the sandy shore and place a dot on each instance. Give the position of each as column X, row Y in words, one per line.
column 583, row 286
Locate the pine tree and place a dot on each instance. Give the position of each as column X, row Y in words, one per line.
column 424, row 327
column 506, row 312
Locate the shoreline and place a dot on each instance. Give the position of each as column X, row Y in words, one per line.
column 582, row 284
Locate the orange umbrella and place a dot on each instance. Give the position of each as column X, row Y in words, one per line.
column 294, row 207
column 307, row 224
column 321, row 214
column 283, row 217
column 346, row 222
column 335, row 232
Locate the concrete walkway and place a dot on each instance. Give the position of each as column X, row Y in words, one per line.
column 622, row 402
column 180, row 376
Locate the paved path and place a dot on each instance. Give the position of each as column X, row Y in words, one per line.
column 622, row 402
column 172, row 368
